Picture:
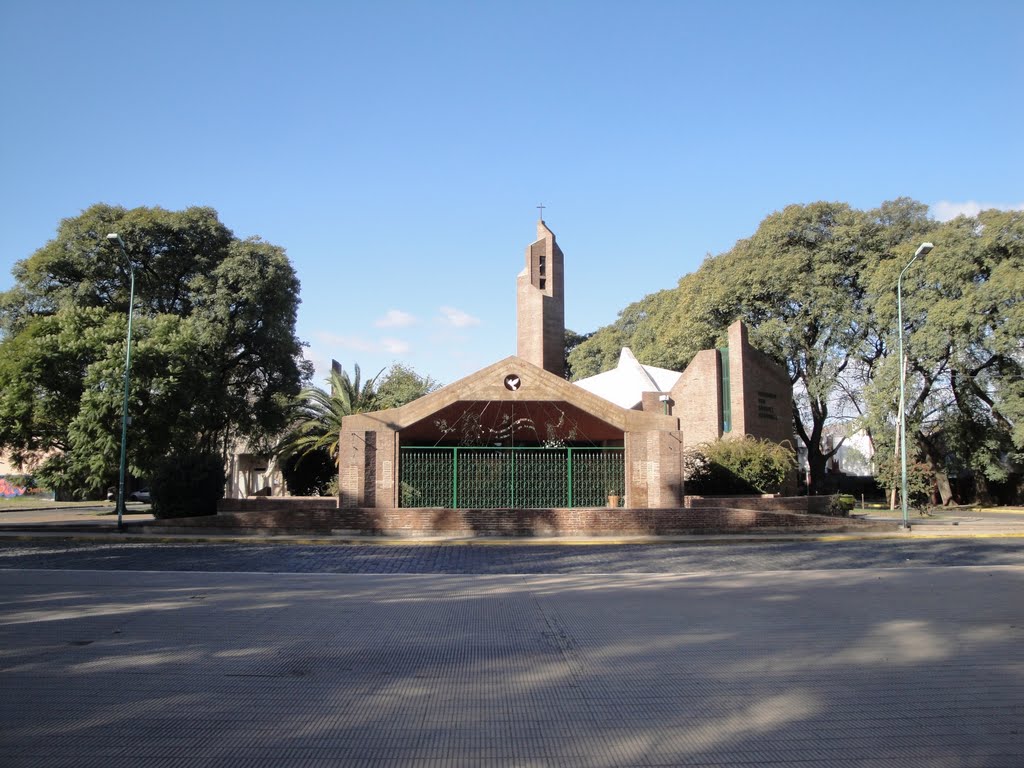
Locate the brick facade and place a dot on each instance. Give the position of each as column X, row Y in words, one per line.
column 760, row 396
column 761, row 393
column 697, row 398
column 369, row 442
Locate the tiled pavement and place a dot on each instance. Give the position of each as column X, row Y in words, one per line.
column 507, row 558
column 891, row 666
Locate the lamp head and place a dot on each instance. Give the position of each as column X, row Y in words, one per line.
column 115, row 238
column 923, row 249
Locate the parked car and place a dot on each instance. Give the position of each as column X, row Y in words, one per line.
column 140, row 495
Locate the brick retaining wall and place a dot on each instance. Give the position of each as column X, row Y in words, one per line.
column 324, row 517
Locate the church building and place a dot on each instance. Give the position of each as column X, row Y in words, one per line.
column 516, row 434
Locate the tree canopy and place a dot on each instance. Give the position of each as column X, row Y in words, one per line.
column 215, row 356
column 816, row 284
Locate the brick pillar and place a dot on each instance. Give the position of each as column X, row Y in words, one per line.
column 367, row 468
column 654, row 469
column 351, row 463
column 738, row 376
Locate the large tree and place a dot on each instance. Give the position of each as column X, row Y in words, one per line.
column 215, row 357
column 963, row 310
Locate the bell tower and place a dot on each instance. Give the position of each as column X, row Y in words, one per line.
column 540, row 304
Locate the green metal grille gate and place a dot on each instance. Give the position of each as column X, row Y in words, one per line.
column 523, row 478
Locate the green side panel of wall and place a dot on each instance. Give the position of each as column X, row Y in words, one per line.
column 723, row 356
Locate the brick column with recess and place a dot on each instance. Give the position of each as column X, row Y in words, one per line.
column 654, row 470
column 367, row 468
column 540, row 304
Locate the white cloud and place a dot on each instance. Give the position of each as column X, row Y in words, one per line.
column 357, row 343
column 395, row 346
column 396, row 318
column 944, row 210
column 389, row 345
column 458, row 318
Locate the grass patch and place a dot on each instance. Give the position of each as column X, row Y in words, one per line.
column 34, row 502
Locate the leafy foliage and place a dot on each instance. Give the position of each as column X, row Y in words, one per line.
column 214, row 353
column 572, row 340
column 188, row 485
column 738, row 466
column 317, row 415
column 816, row 285
column 310, row 474
column 963, row 310
column 840, row 505
column 920, row 480
column 401, row 385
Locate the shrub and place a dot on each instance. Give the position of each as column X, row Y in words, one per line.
column 187, row 485
column 737, row 466
column 310, row 474
column 920, row 480
column 410, row 495
column 332, row 489
column 840, row 505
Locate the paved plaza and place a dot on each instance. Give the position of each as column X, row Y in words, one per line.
column 885, row 665
column 509, row 558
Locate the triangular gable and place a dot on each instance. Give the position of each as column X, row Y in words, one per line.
column 494, row 383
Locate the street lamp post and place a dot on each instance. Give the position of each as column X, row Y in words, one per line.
column 116, row 238
column 922, row 249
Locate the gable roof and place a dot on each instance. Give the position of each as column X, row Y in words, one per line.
column 489, row 384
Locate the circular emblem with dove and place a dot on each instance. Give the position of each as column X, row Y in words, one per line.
column 513, row 382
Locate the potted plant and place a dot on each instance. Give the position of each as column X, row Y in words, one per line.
column 614, row 497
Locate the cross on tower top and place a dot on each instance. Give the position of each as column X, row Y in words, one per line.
column 541, row 208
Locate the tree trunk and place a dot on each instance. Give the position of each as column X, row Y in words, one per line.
column 816, row 457
column 982, row 493
column 816, row 463
column 941, row 478
column 945, row 489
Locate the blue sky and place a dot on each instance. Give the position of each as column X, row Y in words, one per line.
column 398, row 150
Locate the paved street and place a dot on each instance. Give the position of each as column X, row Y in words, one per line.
column 510, row 558
column 898, row 666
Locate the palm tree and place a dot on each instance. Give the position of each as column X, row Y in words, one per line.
column 317, row 422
